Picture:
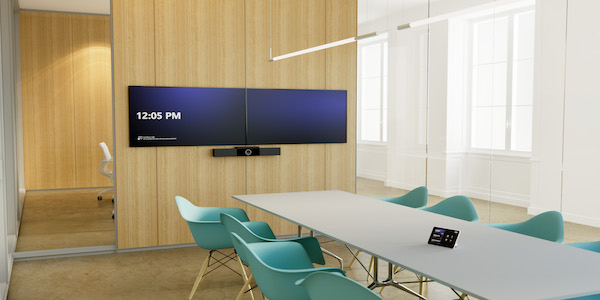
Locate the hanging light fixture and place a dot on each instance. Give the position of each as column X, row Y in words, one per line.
column 454, row 14
column 324, row 46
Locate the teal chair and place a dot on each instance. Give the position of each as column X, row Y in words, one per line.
column 276, row 267
column 459, row 207
column 591, row 297
column 416, row 198
column 592, row 246
column 310, row 244
column 208, row 232
column 333, row 286
column 548, row 226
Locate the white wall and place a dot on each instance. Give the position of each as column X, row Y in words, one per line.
column 581, row 175
column 569, row 89
column 549, row 82
column 371, row 162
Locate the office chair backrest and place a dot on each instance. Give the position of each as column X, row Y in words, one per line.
column 205, row 224
column 548, row 226
column 105, row 151
column 416, row 198
column 333, row 286
column 459, row 207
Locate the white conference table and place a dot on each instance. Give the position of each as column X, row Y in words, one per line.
column 488, row 263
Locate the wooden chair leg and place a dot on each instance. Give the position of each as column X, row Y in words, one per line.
column 201, row 274
column 370, row 267
column 354, row 258
column 246, row 283
column 245, row 276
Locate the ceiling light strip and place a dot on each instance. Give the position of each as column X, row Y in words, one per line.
column 324, row 46
column 457, row 13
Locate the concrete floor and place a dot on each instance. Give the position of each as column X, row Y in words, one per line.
column 170, row 273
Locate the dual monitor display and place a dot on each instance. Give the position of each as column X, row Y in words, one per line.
column 181, row 116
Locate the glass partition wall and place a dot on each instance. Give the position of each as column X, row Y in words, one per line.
column 494, row 102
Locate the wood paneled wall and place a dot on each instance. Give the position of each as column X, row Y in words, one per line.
column 67, row 105
column 225, row 43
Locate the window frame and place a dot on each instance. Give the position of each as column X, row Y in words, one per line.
column 509, row 82
column 381, row 39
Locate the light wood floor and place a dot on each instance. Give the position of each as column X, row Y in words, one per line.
column 65, row 219
column 170, row 274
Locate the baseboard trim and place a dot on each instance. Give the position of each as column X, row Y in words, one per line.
column 127, row 250
column 60, row 253
column 499, row 197
column 379, row 176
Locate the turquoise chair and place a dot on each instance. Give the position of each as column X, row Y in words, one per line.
column 310, row 244
column 592, row 246
column 208, row 232
column 416, row 198
column 333, row 286
column 548, row 226
column 276, row 267
column 459, row 207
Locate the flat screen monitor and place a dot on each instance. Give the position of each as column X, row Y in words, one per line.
column 183, row 116
column 280, row 116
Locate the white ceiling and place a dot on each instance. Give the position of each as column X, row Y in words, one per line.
column 80, row 6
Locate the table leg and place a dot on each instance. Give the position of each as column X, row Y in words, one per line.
column 390, row 280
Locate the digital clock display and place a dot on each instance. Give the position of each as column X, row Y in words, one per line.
column 177, row 116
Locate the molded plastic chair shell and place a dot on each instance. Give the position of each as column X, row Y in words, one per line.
column 332, row 286
column 459, row 207
column 277, row 266
column 416, row 198
column 310, row 244
column 548, row 226
column 592, row 246
column 206, row 228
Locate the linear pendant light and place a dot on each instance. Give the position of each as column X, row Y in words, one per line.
column 414, row 24
column 324, row 46
column 453, row 14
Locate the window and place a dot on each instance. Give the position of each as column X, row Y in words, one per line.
column 502, row 82
column 372, row 85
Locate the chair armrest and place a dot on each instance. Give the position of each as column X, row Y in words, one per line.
column 306, row 272
column 310, row 244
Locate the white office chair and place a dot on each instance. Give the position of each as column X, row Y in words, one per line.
column 105, row 171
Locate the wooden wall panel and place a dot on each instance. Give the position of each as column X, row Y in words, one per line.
column 67, row 99
column 199, row 43
column 341, row 75
column 47, row 93
column 92, row 94
column 296, row 25
column 216, row 43
column 134, row 64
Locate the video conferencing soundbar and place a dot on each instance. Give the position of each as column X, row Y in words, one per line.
column 246, row 151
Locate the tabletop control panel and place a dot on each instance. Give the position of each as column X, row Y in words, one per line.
column 443, row 237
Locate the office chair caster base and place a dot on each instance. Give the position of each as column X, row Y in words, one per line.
column 99, row 197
